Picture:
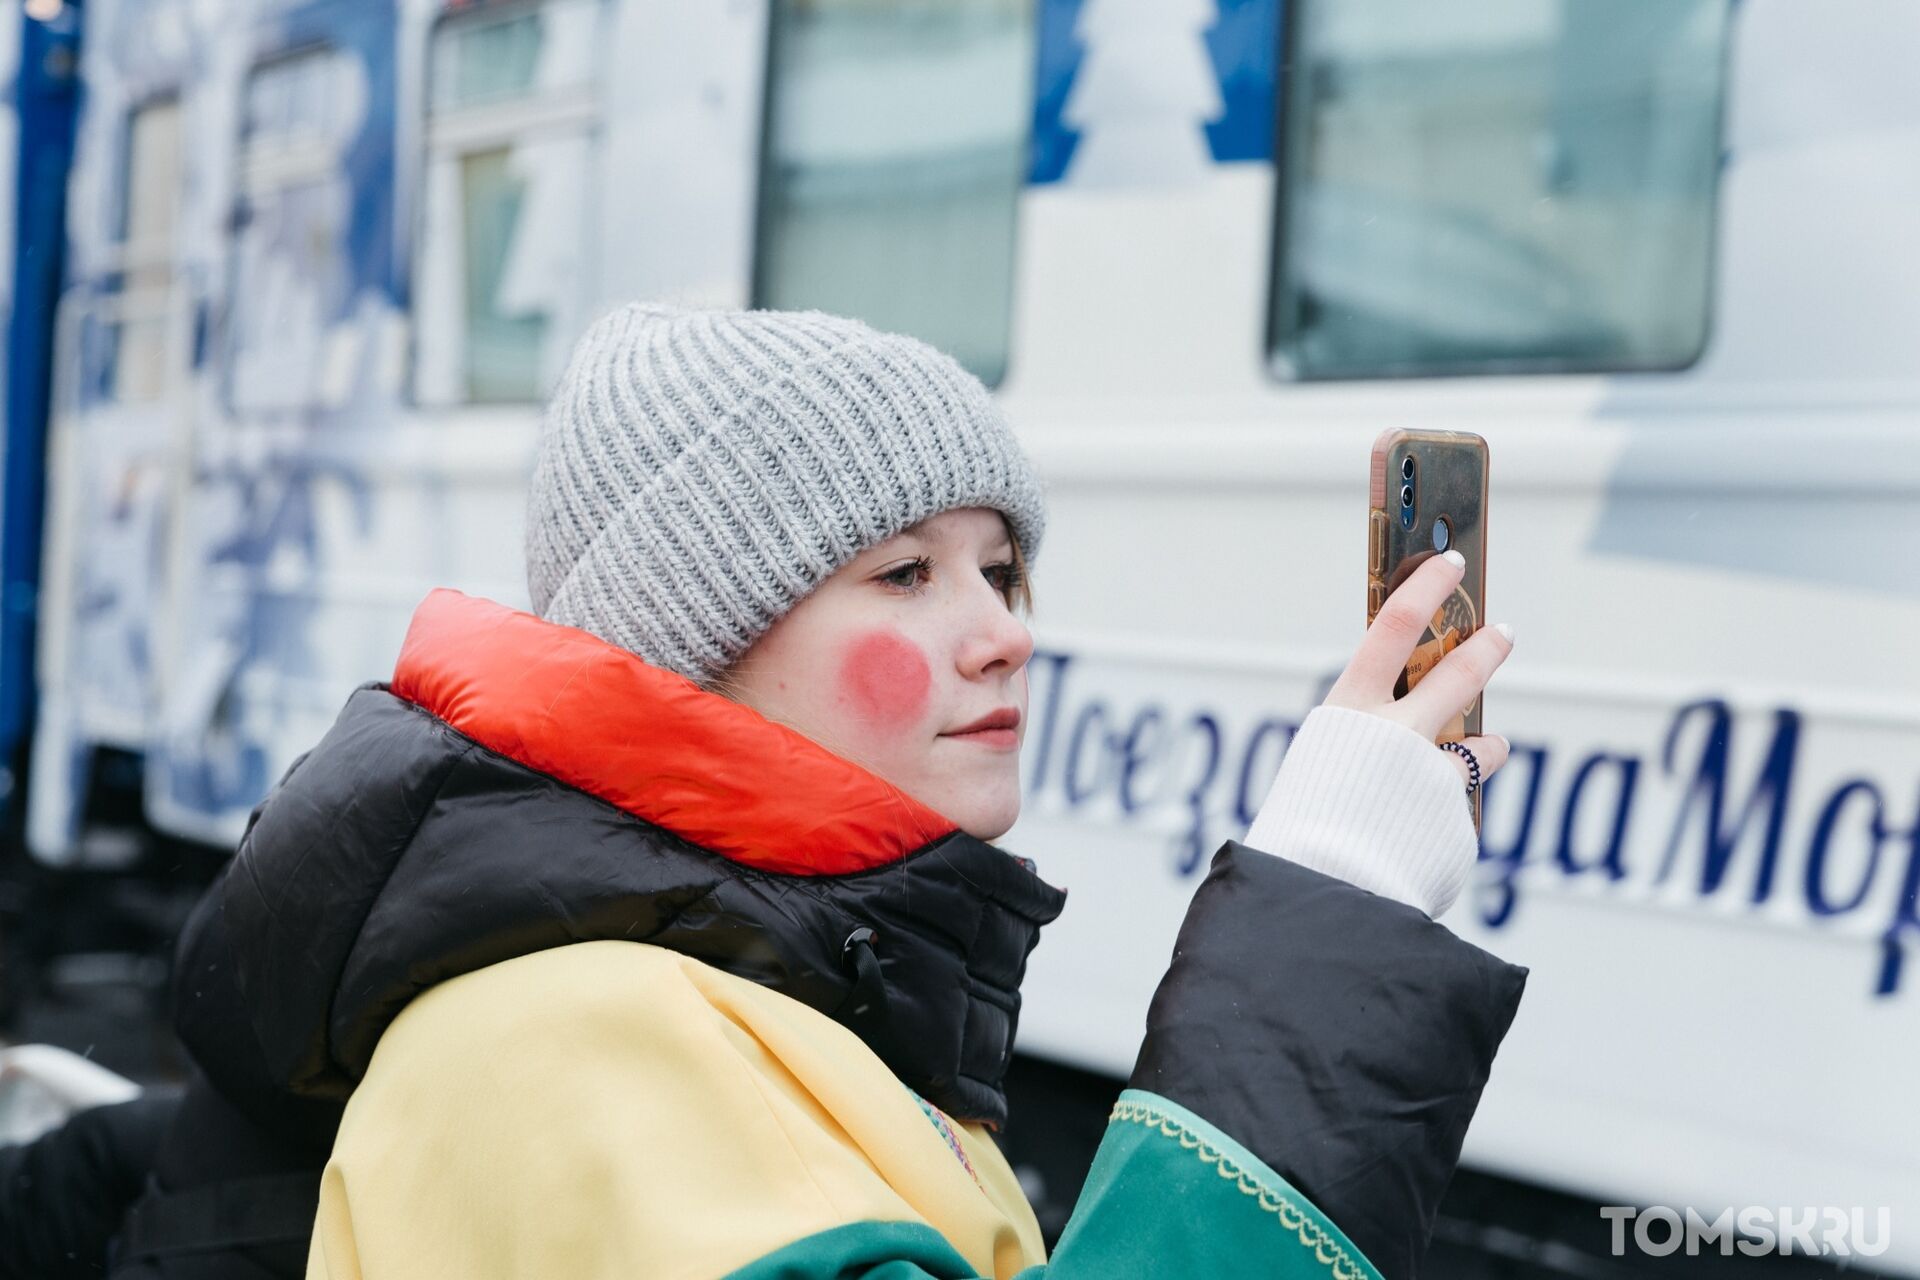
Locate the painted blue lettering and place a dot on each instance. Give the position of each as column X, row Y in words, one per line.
column 1496, row 907
column 1089, row 726
column 1906, row 914
column 1140, row 748
column 1709, row 786
column 1816, row 885
column 1246, row 804
column 1196, row 843
column 1628, row 768
column 1042, row 742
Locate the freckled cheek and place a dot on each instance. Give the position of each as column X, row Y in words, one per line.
column 886, row 679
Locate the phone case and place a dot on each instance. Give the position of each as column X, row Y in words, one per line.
column 1448, row 483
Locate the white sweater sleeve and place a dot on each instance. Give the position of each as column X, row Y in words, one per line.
column 1373, row 803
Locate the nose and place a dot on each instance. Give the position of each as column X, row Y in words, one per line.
column 995, row 641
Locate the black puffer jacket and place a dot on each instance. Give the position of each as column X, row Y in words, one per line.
column 521, row 786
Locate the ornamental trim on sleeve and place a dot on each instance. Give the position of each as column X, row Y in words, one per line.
column 1296, row 1219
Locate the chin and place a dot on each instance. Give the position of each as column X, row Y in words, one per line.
column 986, row 818
column 981, row 797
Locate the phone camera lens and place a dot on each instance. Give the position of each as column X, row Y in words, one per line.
column 1406, row 467
column 1406, row 495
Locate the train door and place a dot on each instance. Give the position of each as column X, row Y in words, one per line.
column 303, row 355
column 124, row 351
column 39, row 92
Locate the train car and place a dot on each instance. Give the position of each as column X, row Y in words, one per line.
column 16, row 674
column 11, row 34
column 10, row 39
column 38, row 92
column 325, row 258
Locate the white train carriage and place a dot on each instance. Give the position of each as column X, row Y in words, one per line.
column 326, row 258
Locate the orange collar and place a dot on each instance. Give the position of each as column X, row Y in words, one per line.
column 653, row 743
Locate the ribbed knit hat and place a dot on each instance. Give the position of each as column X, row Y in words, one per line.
column 702, row 471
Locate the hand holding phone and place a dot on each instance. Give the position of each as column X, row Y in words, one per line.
column 1426, row 658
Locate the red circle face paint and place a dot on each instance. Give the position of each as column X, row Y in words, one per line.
column 886, row 678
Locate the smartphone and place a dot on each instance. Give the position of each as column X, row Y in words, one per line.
column 1428, row 495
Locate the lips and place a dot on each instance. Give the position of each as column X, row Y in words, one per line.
column 1004, row 718
column 998, row 729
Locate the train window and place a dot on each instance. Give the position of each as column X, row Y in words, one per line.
column 505, row 249
column 1492, row 186
column 149, row 205
column 894, row 152
column 292, row 276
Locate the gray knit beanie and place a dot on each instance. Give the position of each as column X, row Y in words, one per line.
column 702, row 471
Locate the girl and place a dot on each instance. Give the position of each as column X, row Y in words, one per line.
column 658, row 932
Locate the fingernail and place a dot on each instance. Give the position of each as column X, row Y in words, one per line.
column 1506, row 631
column 1454, row 558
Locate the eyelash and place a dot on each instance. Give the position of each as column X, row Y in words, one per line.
column 1004, row 575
